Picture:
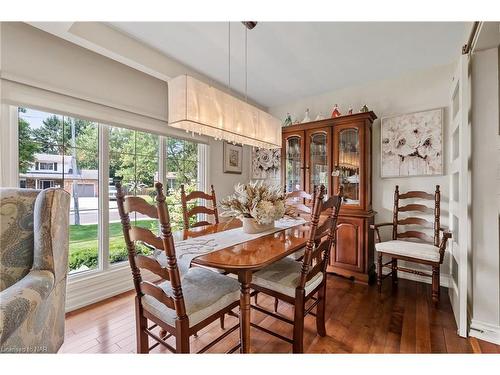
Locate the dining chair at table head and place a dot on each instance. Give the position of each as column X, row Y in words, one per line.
column 188, row 212
column 299, row 200
column 297, row 282
column 180, row 305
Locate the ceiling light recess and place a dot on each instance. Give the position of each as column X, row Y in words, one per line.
column 202, row 109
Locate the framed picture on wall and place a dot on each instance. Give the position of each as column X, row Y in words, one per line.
column 233, row 158
column 412, row 144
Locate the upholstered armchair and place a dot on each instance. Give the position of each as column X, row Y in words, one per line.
column 34, row 238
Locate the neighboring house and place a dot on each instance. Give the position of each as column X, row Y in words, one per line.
column 55, row 171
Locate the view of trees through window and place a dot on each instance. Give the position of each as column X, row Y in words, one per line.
column 71, row 147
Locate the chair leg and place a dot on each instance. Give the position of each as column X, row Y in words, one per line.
column 320, row 311
column 298, row 325
column 276, row 302
column 379, row 272
column 435, row 284
column 222, row 321
column 140, row 329
column 182, row 336
column 394, row 273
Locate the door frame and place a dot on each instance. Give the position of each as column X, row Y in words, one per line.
column 459, row 137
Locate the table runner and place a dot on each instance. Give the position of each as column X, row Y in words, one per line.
column 187, row 250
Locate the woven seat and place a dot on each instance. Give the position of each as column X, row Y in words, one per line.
column 298, row 254
column 205, row 292
column 284, row 276
column 408, row 249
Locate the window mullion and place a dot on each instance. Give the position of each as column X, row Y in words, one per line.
column 162, row 167
column 103, row 197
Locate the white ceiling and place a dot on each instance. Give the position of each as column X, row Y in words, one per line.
column 287, row 61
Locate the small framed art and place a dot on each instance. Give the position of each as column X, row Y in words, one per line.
column 233, row 158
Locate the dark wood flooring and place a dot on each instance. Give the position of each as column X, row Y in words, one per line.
column 359, row 320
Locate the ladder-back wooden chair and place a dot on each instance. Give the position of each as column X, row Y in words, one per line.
column 179, row 306
column 413, row 245
column 297, row 282
column 302, row 203
column 187, row 213
column 299, row 199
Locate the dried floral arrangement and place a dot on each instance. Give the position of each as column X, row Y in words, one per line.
column 259, row 200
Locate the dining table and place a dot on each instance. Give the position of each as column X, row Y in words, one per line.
column 245, row 258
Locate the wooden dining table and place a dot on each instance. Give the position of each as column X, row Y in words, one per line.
column 245, row 258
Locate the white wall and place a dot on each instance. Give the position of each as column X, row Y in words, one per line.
column 413, row 92
column 485, row 195
column 224, row 182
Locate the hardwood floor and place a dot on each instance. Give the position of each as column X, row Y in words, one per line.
column 359, row 320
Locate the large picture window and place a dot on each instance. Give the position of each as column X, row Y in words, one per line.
column 66, row 152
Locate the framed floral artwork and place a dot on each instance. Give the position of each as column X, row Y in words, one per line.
column 265, row 163
column 412, row 144
column 233, row 158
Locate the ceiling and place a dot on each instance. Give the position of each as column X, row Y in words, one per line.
column 287, row 60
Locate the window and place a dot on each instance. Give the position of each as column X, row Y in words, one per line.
column 67, row 152
column 133, row 160
column 181, row 166
column 72, row 143
column 47, row 166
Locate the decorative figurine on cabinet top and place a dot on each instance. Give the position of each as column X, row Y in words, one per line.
column 335, row 112
column 320, row 116
column 350, row 111
column 288, row 120
column 306, row 117
column 364, row 109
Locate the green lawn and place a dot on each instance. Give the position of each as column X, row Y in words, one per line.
column 88, row 232
column 83, row 239
column 83, row 246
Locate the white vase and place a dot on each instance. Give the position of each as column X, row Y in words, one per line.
column 251, row 226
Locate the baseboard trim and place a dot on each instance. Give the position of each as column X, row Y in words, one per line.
column 485, row 331
column 94, row 287
column 445, row 279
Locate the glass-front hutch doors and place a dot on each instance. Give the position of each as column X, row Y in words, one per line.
column 294, row 161
column 318, row 151
column 348, row 164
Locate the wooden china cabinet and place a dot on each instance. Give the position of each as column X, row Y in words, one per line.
column 331, row 152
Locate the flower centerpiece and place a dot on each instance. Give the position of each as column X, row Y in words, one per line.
column 257, row 205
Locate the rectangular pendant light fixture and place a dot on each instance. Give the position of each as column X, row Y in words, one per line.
column 199, row 108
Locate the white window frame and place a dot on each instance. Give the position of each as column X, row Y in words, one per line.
column 107, row 279
column 46, row 164
column 40, row 183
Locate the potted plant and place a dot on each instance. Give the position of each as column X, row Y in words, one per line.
column 257, row 205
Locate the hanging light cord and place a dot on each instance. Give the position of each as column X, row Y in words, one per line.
column 229, row 56
column 246, row 64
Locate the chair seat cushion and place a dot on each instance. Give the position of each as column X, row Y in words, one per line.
column 415, row 250
column 298, row 254
column 205, row 293
column 284, row 276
